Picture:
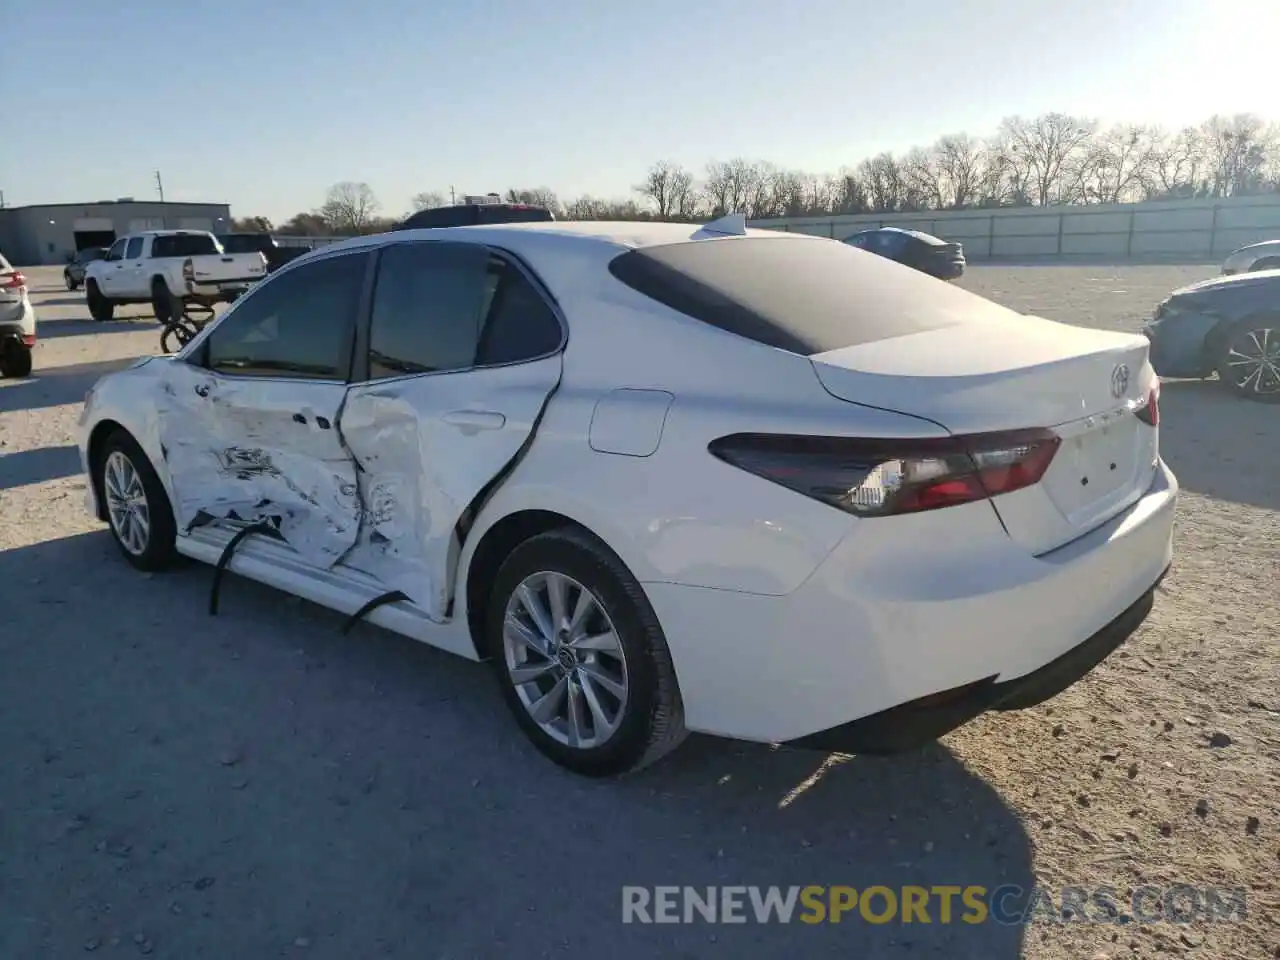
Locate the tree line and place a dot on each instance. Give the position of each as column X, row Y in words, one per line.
column 1053, row 159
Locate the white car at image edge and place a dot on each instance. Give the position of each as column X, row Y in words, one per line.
column 17, row 322
column 665, row 478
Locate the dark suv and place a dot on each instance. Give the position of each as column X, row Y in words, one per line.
column 472, row 214
column 73, row 272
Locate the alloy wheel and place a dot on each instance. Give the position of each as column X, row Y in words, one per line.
column 565, row 660
column 127, row 506
column 1252, row 362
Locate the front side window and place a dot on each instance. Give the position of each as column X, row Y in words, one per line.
column 297, row 324
column 117, row 250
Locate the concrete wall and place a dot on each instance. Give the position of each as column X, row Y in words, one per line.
column 1175, row 229
column 46, row 234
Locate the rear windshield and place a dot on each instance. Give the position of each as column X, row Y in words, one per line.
column 242, row 243
column 805, row 296
column 184, row 245
column 505, row 214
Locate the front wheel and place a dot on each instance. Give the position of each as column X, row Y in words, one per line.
column 1249, row 359
column 137, row 507
column 100, row 308
column 69, row 280
column 580, row 657
column 15, row 359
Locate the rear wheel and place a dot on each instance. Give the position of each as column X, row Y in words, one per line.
column 164, row 304
column 69, row 280
column 1249, row 359
column 137, row 507
column 580, row 657
column 15, row 359
column 100, row 308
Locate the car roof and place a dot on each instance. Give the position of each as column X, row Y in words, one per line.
column 626, row 235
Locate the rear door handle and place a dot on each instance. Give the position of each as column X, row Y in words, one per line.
column 472, row 420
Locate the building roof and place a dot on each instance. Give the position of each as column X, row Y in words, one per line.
column 117, row 203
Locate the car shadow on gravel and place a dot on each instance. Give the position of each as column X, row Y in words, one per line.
column 55, row 386
column 1221, row 445
column 86, row 327
column 258, row 784
column 24, row 467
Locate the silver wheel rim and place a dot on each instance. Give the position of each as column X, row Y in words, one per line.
column 565, row 660
column 127, row 505
column 1253, row 360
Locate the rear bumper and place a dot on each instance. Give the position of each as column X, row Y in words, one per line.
column 220, row 289
column 914, row 724
column 897, row 613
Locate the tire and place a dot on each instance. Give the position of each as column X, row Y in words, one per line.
column 15, row 359
column 647, row 721
column 1252, row 339
column 100, row 308
column 1268, row 263
column 155, row 550
column 164, row 304
column 69, row 281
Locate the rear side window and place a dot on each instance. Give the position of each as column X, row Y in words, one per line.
column 183, row 245
column 134, row 250
column 428, row 308
column 803, row 295
column 521, row 324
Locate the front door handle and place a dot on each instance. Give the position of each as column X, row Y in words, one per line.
column 472, row 420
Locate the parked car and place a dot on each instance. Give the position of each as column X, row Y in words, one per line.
column 928, row 254
column 1227, row 325
column 263, row 243
column 167, row 268
column 743, row 482
column 477, row 210
column 73, row 272
column 1255, row 256
column 17, row 322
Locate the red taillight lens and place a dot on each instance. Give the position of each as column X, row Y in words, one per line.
column 876, row 477
column 13, row 280
column 1149, row 413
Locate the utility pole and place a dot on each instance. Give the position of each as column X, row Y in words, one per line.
column 453, row 199
column 160, row 186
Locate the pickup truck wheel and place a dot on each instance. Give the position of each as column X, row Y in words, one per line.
column 164, row 304
column 15, row 359
column 100, row 308
column 69, row 280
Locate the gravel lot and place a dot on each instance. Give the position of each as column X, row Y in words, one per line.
column 256, row 785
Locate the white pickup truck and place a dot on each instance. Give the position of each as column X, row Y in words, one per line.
column 167, row 268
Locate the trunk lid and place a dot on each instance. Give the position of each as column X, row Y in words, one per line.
column 1007, row 372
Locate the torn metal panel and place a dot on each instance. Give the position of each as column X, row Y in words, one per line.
column 427, row 446
column 259, row 450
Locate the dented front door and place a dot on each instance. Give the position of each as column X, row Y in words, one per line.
column 427, row 446
column 261, row 449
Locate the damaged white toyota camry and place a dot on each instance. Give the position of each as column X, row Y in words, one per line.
column 665, row 478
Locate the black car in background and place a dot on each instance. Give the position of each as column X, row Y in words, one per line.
column 476, row 211
column 73, row 272
column 263, row 243
column 1229, row 326
column 926, row 253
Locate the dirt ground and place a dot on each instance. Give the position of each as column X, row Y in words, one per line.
column 257, row 785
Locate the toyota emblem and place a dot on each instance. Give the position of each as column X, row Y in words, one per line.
column 1120, row 380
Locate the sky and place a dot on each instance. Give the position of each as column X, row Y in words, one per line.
column 265, row 104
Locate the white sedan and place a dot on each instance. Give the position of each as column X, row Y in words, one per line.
column 665, row 478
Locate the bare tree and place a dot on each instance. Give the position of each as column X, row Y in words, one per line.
column 882, row 178
column 1044, row 148
column 1177, row 165
column 668, row 186
column 1117, row 166
column 537, row 196
column 1236, row 150
column 350, row 208
column 427, row 200
column 733, row 186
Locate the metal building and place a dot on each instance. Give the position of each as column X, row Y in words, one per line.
column 50, row 233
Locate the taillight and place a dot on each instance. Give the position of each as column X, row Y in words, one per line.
column 12, row 280
column 875, row 477
column 188, row 270
column 1149, row 412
